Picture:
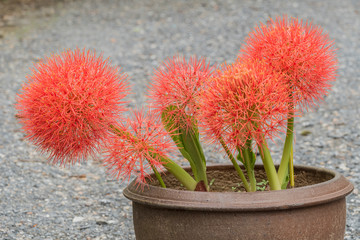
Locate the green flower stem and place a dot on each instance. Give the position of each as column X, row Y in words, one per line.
column 250, row 171
column 236, row 165
column 180, row 174
column 285, row 159
column 291, row 168
column 192, row 145
column 158, row 176
column 269, row 166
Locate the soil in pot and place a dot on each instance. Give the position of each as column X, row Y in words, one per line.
column 227, row 180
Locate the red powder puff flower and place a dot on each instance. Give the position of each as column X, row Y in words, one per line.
column 68, row 103
column 177, row 83
column 299, row 50
column 141, row 143
column 245, row 101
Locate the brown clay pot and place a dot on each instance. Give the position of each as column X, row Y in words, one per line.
column 312, row 212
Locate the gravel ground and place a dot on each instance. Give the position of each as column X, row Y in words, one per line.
column 40, row 201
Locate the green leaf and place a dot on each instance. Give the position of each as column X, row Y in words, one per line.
column 187, row 141
column 285, row 183
column 239, row 157
column 253, row 159
column 261, row 186
column 176, row 134
column 196, row 140
column 193, row 148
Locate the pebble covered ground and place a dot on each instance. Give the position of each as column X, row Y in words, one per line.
column 40, row 201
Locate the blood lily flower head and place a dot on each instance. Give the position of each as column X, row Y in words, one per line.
column 176, row 85
column 140, row 144
column 245, row 101
column 299, row 50
column 68, row 103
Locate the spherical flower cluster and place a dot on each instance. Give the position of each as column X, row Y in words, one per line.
column 245, row 101
column 177, row 83
column 141, row 143
column 301, row 51
column 68, row 103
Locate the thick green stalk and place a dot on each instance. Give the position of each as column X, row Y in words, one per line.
column 284, row 164
column 269, row 166
column 158, row 176
column 246, row 151
column 236, row 165
column 180, row 174
column 291, row 168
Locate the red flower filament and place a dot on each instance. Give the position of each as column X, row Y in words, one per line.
column 299, row 50
column 68, row 103
column 244, row 102
column 141, row 142
column 178, row 83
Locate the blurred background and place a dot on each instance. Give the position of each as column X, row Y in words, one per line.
column 40, row 201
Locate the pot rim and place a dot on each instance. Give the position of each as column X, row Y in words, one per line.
column 334, row 189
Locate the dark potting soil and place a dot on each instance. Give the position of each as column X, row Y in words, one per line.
column 227, row 180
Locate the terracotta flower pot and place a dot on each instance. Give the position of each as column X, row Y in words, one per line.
column 312, row 212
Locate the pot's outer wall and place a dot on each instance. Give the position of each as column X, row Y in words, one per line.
column 312, row 212
column 323, row 222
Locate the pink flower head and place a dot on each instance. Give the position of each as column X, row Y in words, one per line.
column 299, row 50
column 141, row 142
column 246, row 101
column 68, row 103
column 178, row 83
